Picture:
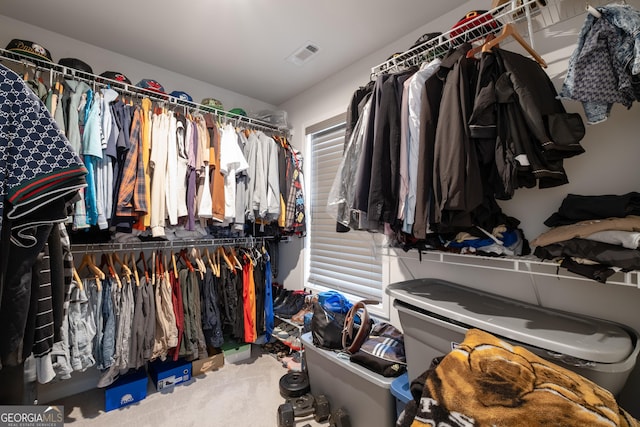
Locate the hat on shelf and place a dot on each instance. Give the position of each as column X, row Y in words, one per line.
column 114, row 75
column 425, row 38
column 183, row 96
column 28, row 48
column 150, row 84
column 76, row 64
column 238, row 112
column 473, row 20
column 212, row 104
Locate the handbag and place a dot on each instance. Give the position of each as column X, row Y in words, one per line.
column 383, row 351
column 326, row 327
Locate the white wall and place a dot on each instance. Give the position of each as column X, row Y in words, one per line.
column 609, row 166
column 102, row 60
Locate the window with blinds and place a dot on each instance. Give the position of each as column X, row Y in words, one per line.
column 346, row 262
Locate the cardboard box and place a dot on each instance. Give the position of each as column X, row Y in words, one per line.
column 126, row 390
column 211, row 363
column 236, row 352
column 169, row 373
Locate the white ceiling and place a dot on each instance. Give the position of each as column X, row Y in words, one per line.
column 239, row 45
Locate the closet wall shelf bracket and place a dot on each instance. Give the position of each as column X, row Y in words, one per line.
column 525, row 265
column 166, row 244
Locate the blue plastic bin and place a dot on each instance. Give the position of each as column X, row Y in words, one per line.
column 401, row 391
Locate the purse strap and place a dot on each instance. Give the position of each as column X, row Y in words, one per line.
column 363, row 331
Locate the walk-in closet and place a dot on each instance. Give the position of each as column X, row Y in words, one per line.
column 341, row 214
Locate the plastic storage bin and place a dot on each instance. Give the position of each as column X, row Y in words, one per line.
column 400, row 389
column 435, row 315
column 364, row 394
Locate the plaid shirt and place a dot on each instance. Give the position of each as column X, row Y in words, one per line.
column 132, row 195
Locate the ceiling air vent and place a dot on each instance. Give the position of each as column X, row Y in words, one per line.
column 304, row 53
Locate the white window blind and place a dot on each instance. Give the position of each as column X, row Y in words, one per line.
column 346, row 262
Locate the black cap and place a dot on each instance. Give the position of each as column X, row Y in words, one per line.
column 28, row 48
column 76, row 64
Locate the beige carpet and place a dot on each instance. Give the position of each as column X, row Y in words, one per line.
column 245, row 394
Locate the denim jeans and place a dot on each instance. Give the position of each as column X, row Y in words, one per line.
column 82, row 328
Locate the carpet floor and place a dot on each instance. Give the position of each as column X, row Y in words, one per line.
column 243, row 394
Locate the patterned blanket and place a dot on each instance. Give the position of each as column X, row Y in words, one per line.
column 488, row 382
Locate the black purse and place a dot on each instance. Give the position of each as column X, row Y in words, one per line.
column 326, row 328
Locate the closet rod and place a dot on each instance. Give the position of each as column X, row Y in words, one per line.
column 478, row 28
column 135, row 91
column 165, row 244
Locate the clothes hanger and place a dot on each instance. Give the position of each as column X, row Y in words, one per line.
column 183, row 256
column 89, row 262
column 144, row 265
column 234, row 258
column 221, row 252
column 173, row 264
column 107, row 260
column 207, row 256
column 123, row 266
column 202, row 268
column 477, row 49
column 593, row 11
column 510, row 30
column 128, row 258
column 77, row 278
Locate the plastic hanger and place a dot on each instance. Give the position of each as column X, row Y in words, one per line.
column 510, row 31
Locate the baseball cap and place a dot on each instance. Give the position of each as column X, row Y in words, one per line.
column 114, row 75
column 76, row 64
column 238, row 111
column 28, row 48
column 183, row 96
column 475, row 19
column 212, row 104
column 150, row 84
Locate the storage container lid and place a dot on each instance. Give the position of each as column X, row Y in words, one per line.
column 585, row 338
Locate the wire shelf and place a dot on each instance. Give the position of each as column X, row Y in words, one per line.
column 134, row 91
column 528, row 16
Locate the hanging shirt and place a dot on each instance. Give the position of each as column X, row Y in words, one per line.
column 416, row 85
column 172, row 184
column 75, row 89
column 158, row 166
column 232, row 161
column 182, row 165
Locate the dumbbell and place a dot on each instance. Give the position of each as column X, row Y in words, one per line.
column 321, row 409
column 302, row 406
column 340, row 418
column 295, row 407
